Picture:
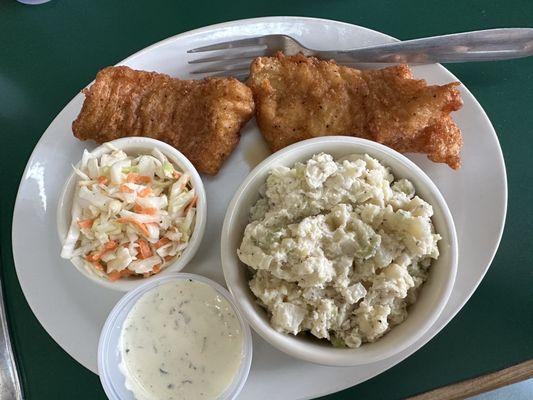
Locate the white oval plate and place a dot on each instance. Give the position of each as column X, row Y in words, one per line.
column 73, row 309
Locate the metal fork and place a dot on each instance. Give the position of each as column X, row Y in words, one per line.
column 485, row 45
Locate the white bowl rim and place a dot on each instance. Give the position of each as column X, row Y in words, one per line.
column 283, row 341
column 176, row 157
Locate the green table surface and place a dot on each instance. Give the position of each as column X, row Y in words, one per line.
column 48, row 52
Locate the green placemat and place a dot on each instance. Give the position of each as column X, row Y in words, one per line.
column 48, row 52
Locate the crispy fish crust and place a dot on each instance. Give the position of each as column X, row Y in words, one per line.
column 300, row 97
column 202, row 118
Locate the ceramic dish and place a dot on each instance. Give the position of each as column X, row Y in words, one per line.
column 433, row 295
column 135, row 146
column 73, row 311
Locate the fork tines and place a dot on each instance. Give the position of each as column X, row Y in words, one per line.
column 232, row 44
column 236, row 61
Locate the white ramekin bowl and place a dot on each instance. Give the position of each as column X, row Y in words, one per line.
column 433, row 295
column 135, row 146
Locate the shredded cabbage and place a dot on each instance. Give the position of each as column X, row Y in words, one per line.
column 131, row 215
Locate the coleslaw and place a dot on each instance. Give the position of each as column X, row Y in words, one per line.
column 131, row 216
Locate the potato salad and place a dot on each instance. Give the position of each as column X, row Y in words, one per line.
column 131, row 216
column 338, row 248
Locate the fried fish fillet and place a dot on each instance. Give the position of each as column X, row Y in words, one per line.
column 202, row 119
column 300, row 97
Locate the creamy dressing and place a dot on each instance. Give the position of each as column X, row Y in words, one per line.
column 181, row 340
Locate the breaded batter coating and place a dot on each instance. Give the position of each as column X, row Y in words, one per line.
column 300, row 97
column 202, row 119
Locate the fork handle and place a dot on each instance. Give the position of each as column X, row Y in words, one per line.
column 485, row 45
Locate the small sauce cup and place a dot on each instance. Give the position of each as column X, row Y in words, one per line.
column 109, row 354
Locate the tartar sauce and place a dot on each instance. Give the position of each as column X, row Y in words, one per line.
column 181, row 340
